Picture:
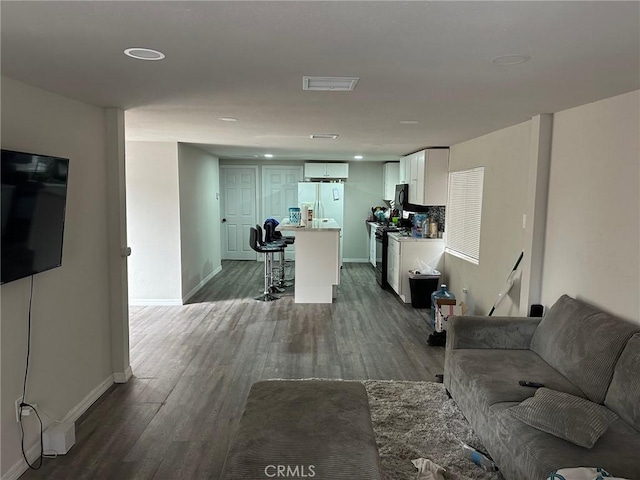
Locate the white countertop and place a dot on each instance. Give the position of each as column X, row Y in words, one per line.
column 317, row 225
column 403, row 238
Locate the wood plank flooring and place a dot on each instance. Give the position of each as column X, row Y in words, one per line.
column 193, row 367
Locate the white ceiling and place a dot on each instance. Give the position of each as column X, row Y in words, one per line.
column 424, row 61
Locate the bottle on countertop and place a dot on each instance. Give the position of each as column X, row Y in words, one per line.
column 433, row 228
column 424, row 228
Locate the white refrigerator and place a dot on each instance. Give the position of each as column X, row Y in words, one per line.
column 327, row 201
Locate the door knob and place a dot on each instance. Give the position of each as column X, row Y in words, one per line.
column 224, row 220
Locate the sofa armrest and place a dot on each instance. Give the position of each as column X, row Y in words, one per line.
column 491, row 332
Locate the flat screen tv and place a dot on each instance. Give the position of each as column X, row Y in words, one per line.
column 34, row 197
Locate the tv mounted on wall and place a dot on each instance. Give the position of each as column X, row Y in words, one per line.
column 34, row 197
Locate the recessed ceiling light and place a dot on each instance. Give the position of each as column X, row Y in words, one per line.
column 358, row 157
column 228, row 119
column 512, row 59
column 408, row 122
column 144, row 53
column 268, row 155
column 331, row 84
column 330, row 136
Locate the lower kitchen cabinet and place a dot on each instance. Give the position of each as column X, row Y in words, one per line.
column 372, row 244
column 393, row 264
column 407, row 253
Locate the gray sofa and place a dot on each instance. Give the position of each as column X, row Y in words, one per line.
column 576, row 349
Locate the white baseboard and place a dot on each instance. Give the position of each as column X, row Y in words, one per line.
column 123, row 377
column 20, row 466
column 355, row 260
column 75, row 413
column 204, row 281
column 154, row 302
column 33, row 451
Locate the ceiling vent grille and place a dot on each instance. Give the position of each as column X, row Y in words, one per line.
column 330, row 84
column 330, row 136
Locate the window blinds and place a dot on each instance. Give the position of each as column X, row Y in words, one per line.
column 464, row 213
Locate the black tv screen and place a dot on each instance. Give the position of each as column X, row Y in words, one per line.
column 34, row 197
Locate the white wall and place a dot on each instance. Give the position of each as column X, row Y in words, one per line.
column 592, row 244
column 199, row 185
column 362, row 191
column 71, row 339
column 505, row 156
column 153, row 223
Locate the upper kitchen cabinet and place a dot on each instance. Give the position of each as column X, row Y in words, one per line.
column 326, row 170
column 428, row 174
column 405, row 169
column 390, row 177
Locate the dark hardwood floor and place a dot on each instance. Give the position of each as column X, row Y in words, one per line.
column 193, row 367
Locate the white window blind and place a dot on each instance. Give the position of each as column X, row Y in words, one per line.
column 464, row 212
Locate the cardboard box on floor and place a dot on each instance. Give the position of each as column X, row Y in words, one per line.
column 447, row 308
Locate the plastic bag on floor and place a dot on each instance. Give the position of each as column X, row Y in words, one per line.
column 427, row 470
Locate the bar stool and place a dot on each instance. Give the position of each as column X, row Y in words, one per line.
column 270, row 234
column 269, row 240
column 268, row 251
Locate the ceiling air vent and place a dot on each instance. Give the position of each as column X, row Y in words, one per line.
column 331, row 84
column 330, row 136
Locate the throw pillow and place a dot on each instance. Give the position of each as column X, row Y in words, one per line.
column 571, row 418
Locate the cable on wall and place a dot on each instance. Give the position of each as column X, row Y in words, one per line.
column 24, row 404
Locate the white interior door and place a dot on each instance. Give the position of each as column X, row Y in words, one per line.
column 239, row 210
column 279, row 192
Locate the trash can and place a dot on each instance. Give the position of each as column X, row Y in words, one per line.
column 422, row 285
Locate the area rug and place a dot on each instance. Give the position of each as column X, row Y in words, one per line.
column 418, row 419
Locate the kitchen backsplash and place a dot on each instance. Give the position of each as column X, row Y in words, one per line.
column 438, row 214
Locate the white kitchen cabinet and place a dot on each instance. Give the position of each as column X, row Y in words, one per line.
column 393, row 264
column 404, row 254
column 428, row 176
column 372, row 244
column 416, row 178
column 326, row 170
column 404, row 169
column 390, row 177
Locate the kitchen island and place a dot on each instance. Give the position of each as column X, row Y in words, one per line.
column 317, row 260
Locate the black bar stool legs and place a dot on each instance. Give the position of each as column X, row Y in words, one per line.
column 268, row 250
column 267, row 294
column 282, row 282
column 272, row 237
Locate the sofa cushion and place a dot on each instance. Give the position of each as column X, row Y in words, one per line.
column 583, row 343
column 572, row 418
column 623, row 396
column 492, row 375
column 526, row 452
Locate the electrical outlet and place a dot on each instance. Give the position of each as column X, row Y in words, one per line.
column 26, row 411
column 18, row 402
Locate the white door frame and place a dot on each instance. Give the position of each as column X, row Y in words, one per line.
column 223, row 199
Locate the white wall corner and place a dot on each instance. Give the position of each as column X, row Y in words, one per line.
column 117, row 231
column 200, row 285
column 123, row 377
column 536, row 211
